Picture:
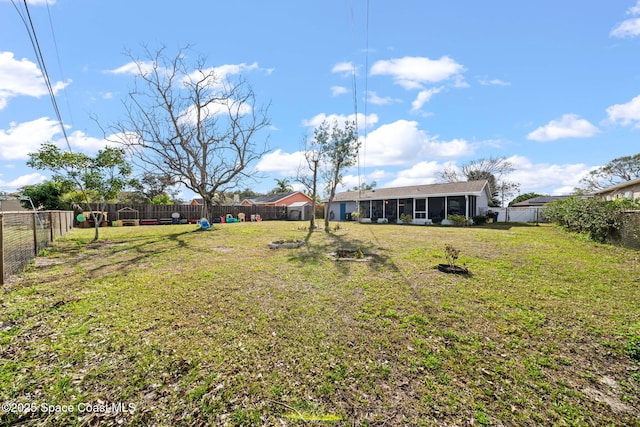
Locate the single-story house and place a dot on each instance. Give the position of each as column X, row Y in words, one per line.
column 425, row 203
column 277, row 199
column 624, row 190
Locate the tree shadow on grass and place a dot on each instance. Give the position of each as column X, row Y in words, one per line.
column 317, row 252
column 90, row 256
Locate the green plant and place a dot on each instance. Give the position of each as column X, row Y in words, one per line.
column 451, row 254
column 479, row 219
column 597, row 218
column 633, row 345
column 355, row 215
column 406, row 218
column 459, row 220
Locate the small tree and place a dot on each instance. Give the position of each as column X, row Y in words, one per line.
column 104, row 175
column 308, row 176
column 338, row 151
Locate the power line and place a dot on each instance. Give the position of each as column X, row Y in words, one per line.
column 28, row 23
column 55, row 46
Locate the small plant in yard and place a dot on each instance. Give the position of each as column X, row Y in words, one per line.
column 406, row 218
column 452, row 254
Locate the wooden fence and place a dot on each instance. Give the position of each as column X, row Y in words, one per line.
column 164, row 213
column 24, row 234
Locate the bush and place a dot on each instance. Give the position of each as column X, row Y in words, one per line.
column 479, row 219
column 458, row 220
column 406, row 218
column 600, row 219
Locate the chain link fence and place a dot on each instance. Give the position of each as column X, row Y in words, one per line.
column 24, row 234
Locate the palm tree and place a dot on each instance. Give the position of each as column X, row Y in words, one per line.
column 282, row 186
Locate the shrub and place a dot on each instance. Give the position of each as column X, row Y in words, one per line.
column 452, row 254
column 597, row 218
column 479, row 219
column 406, row 218
column 458, row 220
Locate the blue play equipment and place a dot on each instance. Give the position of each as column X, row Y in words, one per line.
column 204, row 224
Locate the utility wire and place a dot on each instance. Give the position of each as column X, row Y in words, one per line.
column 55, row 46
column 28, row 23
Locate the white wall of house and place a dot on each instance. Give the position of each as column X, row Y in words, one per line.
column 336, row 209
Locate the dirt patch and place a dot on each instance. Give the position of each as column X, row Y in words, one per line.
column 286, row 244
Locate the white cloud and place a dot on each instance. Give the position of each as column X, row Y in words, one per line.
column 493, row 82
column 374, row 99
column 316, row 120
column 85, row 143
column 223, row 71
column 546, row 178
column 569, row 126
column 346, row 69
column 24, row 138
column 421, row 173
column 338, row 90
column 402, row 142
column 423, row 97
column 21, row 181
column 626, row 114
column 629, row 27
column 286, row 164
column 413, row 72
column 22, row 78
column 133, row 68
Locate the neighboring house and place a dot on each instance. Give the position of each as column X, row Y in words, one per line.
column 625, row 190
column 11, row 205
column 277, row 199
column 425, row 203
column 538, row 201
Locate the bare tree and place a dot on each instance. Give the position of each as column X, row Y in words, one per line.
column 193, row 124
column 618, row 170
column 450, row 175
column 493, row 169
column 338, row 151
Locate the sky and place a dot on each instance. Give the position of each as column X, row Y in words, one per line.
column 552, row 86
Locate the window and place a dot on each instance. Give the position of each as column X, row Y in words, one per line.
column 421, row 209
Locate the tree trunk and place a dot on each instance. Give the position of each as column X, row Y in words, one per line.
column 312, row 224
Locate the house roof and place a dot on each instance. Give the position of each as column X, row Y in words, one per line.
column 618, row 186
column 430, row 190
column 299, row 204
column 539, row 201
column 270, row 198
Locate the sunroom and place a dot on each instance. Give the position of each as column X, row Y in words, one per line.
column 421, row 204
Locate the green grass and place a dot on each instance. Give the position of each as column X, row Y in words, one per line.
column 214, row 328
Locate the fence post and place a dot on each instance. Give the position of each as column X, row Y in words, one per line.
column 35, row 233
column 1, row 249
column 51, row 235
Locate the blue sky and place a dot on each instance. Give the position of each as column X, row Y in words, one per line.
column 554, row 86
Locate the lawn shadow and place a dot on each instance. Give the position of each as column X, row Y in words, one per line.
column 316, row 252
column 83, row 252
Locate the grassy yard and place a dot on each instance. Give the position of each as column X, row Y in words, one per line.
column 167, row 326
